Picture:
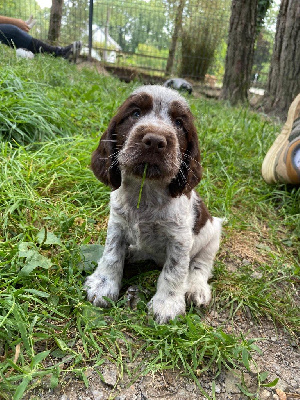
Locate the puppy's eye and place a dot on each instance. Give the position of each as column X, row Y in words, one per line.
column 136, row 113
column 178, row 123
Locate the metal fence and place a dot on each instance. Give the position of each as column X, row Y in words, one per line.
column 179, row 37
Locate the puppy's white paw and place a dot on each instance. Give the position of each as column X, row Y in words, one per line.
column 166, row 308
column 199, row 294
column 98, row 286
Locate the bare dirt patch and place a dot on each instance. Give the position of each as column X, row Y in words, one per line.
column 279, row 356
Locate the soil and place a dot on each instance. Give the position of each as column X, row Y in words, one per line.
column 280, row 357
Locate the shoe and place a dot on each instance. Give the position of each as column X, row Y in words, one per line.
column 76, row 48
column 282, row 161
column 71, row 52
column 30, row 22
column 65, row 52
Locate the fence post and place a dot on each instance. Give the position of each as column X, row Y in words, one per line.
column 91, row 8
column 106, row 34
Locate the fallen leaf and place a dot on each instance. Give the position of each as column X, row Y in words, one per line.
column 281, row 394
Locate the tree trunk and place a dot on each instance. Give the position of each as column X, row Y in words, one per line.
column 284, row 74
column 240, row 50
column 177, row 28
column 55, row 20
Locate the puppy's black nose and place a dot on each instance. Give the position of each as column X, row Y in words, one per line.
column 154, row 142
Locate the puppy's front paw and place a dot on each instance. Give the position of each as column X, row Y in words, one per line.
column 165, row 308
column 98, row 287
column 199, row 294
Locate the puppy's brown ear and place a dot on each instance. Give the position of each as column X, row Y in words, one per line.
column 190, row 171
column 104, row 159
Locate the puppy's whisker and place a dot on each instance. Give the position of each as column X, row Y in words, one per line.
column 189, row 169
column 193, row 159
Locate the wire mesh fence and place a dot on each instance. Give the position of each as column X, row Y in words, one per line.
column 162, row 37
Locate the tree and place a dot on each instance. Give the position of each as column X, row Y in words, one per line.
column 204, row 26
column 284, row 74
column 240, row 50
column 55, row 20
column 265, row 43
column 175, row 36
column 246, row 21
column 261, row 54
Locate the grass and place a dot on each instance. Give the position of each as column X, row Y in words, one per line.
column 52, row 207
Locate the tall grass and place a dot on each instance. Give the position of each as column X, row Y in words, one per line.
column 26, row 112
column 51, row 206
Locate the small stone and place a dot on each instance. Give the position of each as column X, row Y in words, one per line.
column 256, row 275
column 217, row 389
column 181, row 393
column 190, row 387
column 245, row 261
column 214, row 314
column 265, row 394
column 109, row 374
column 231, row 267
column 98, row 395
column 248, row 379
column 294, row 383
column 233, row 378
column 275, row 397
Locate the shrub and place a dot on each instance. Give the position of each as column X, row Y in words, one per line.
column 202, row 33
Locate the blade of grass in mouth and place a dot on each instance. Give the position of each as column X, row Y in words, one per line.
column 142, row 184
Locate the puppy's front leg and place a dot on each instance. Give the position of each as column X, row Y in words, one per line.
column 106, row 280
column 169, row 300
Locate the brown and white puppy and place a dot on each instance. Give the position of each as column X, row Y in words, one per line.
column 172, row 226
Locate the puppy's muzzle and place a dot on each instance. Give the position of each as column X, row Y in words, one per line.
column 154, row 143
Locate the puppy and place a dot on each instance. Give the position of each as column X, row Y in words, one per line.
column 152, row 138
column 179, row 84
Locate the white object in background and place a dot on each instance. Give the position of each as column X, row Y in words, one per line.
column 30, row 22
column 24, row 53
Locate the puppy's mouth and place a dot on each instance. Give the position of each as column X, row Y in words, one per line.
column 153, row 171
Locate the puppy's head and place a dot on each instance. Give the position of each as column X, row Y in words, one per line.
column 154, row 126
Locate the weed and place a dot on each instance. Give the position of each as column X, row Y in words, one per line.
column 142, row 184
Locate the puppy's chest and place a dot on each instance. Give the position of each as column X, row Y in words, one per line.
column 151, row 229
column 147, row 232
column 146, row 235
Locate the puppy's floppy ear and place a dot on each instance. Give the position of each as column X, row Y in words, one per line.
column 190, row 171
column 104, row 159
